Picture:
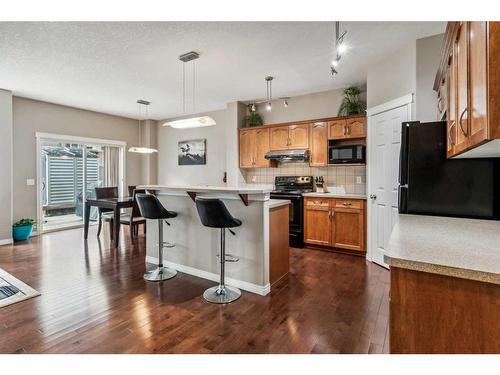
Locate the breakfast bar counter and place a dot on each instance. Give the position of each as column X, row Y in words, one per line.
column 196, row 246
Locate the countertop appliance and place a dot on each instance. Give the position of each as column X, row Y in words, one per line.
column 346, row 154
column 431, row 184
column 292, row 188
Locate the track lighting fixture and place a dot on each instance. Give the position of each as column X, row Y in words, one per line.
column 285, row 102
column 253, row 108
column 340, row 48
column 269, row 106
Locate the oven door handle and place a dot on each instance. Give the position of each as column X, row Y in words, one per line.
column 285, row 196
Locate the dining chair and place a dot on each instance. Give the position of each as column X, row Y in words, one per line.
column 131, row 189
column 106, row 214
column 134, row 219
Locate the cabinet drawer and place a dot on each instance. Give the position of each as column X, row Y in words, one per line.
column 317, row 202
column 348, row 203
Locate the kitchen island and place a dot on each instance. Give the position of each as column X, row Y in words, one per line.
column 445, row 285
column 196, row 246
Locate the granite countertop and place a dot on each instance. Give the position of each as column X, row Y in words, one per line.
column 273, row 203
column 464, row 248
column 240, row 189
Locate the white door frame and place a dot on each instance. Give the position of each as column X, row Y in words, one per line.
column 40, row 137
column 406, row 100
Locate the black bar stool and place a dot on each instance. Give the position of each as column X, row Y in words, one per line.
column 151, row 208
column 214, row 214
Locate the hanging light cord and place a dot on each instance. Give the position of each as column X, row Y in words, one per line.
column 140, row 126
column 183, row 88
column 194, row 86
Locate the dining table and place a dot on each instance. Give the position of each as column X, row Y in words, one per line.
column 115, row 204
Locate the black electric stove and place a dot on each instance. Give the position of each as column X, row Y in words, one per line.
column 292, row 188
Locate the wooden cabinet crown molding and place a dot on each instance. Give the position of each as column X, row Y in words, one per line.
column 304, row 122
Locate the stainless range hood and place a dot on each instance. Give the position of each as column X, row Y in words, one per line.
column 288, row 155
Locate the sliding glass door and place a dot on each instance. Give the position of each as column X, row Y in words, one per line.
column 69, row 172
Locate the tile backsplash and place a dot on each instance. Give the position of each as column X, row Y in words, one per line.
column 352, row 178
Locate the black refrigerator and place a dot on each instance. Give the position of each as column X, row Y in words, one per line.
column 431, row 184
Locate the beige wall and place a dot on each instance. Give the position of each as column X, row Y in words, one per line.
column 393, row 77
column 169, row 172
column 5, row 165
column 304, row 107
column 31, row 116
column 428, row 56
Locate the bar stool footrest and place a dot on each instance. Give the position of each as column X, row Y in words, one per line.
column 230, row 258
column 168, row 244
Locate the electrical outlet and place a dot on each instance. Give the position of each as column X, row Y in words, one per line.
column 358, row 179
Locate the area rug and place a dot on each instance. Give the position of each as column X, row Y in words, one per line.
column 13, row 290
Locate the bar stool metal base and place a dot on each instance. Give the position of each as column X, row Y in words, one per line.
column 160, row 274
column 221, row 294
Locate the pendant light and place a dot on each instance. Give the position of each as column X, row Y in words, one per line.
column 269, row 83
column 141, row 149
column 191, row 122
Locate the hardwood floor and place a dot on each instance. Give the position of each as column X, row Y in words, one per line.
column 94, row 300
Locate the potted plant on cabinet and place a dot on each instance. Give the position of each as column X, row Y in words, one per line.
column 352, row 104
column 253, row 118
column 21, row 230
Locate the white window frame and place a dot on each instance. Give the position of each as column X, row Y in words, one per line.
column 41, row 137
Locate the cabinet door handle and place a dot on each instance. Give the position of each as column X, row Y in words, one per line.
column 460, row 122
column 440, row 107
column 452, row 124
column 333, row 213
column 345, row 129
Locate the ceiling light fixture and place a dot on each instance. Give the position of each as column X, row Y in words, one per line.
column 191, row 122
column 141, row 149
column 269, row 83
column 340, row 48
column 253, row 108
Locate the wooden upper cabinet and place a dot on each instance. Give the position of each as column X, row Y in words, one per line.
column 262, row 147
column 299, row 136
column 356, row 127
column 460, row 57
column 337, row 129
column 254, row 144
column 452, row 107
column 469, row 66
column 247, row 147
column 279, row 138
column 478, row 81
column 318, row 146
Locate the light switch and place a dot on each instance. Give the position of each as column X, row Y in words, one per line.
column 30, row 182
column 358, row 179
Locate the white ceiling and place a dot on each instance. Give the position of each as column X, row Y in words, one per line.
column 106, row 67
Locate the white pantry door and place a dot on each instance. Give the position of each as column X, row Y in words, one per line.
column 384, row 142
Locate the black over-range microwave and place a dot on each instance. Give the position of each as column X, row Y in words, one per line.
column 346, row 154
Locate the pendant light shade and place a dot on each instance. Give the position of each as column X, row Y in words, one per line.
column 193, row 122
column 141, row 149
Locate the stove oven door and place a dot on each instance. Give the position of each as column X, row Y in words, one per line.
column 296, row 217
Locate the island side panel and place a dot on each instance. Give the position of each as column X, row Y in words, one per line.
column 197, row 246
column 436, row 314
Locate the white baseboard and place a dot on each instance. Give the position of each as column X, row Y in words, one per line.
column 249, row 287
column 7, row 241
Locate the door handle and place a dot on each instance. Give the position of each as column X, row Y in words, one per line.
column 460, row 121
column 373, row 196
column 452, row 124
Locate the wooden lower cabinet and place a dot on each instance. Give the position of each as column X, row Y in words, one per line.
column 335, row 223
column 438, row 314
column 279, row 251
